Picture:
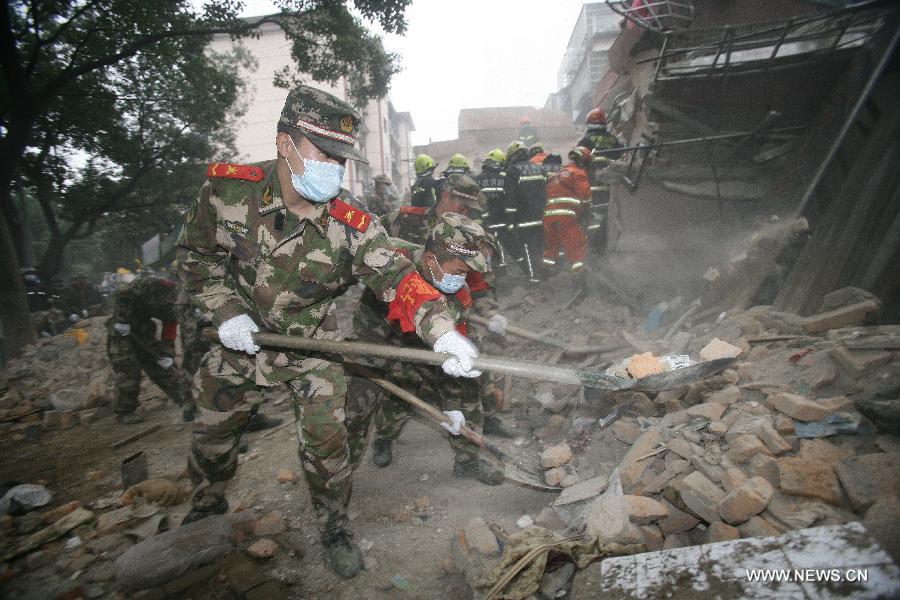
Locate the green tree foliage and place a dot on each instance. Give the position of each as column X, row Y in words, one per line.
column 106, row 106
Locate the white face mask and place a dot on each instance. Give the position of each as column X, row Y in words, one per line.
column 320, row 181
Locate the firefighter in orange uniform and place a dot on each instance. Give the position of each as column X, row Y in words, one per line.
column 568, row 192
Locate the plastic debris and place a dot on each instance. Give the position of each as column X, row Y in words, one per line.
column 841, row 422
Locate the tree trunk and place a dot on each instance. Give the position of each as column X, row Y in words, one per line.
column 26, row 252
column 18, row 331
column 53, row 259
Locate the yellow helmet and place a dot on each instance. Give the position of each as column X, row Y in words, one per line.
column 458, row 161
column 123, row 271
column 497, row 155
column 424, row 163
column 514, row 147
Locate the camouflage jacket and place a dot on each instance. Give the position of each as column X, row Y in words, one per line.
column 411, row 223
column 142, row 300
column 370, row 321
column 241, row 251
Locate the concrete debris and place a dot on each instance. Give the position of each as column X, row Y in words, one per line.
column 869, row 478
column 556, row 456
column 524, row 522
column 167, row 556
column 710, row 570
column 719, row 349
column 263, row 548
column 23, row 498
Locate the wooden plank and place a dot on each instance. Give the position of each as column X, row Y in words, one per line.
column 78, row 517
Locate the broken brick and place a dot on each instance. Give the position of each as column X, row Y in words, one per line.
column 808, row 478
column 745, row 447
column 859, row 363
column 800, row 407
column 700, row 495
column 721, row 532
column 719, row 349
column 771, row 438
column 710, row 410
column 556, row 456
column 641, row 365
column 840, row 317
column 745, row 501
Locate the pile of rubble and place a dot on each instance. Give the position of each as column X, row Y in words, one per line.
column 802, row 432
column 45, row 386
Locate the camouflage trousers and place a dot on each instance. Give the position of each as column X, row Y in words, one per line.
column 318, row 392
column 391, row 414
column 128, row 360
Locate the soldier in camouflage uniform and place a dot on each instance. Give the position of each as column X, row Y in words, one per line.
column 380, row 202
column 456, row 245
column 269, row 247
column 133, row 347
column 462, row 195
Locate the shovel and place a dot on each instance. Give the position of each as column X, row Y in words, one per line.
column 534, row 371
column 548, row 341
column 512, row 471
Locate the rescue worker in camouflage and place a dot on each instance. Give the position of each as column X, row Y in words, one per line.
column 381, row 202
column 462, row 195
column 192, row 321
column 459, row 193
column 455, row 246
column 133, row 346
column 268, row 247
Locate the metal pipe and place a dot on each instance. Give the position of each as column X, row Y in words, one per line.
column 848, row 122
column 698, row 140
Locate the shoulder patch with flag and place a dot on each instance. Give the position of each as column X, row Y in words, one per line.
column 355, row 217
column 233, row 171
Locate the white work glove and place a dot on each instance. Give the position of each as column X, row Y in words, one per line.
column 165, row 362
column 73, row 318
column 463, row 351
column 497, row 324
column 122, row 328
column 457, row 420
column 236, row 334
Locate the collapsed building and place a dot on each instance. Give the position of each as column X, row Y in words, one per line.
column 743, row 112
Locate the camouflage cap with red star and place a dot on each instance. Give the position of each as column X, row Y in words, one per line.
column 329, row 122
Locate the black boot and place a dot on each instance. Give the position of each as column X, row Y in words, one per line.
column 188, row 414
column 259, row 421
column 206, row 506
column 381, row 454
column 480, row 469
column 342, row 555
column 494, row 425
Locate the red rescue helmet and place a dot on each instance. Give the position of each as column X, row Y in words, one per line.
column 596, row 117
column 524, row 121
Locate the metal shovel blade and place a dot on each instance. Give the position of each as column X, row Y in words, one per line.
column 680, row 377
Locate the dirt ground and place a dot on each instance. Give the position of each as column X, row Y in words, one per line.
column 413, row 549
column 401, row 539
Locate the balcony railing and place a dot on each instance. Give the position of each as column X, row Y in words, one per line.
column 708, row 52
